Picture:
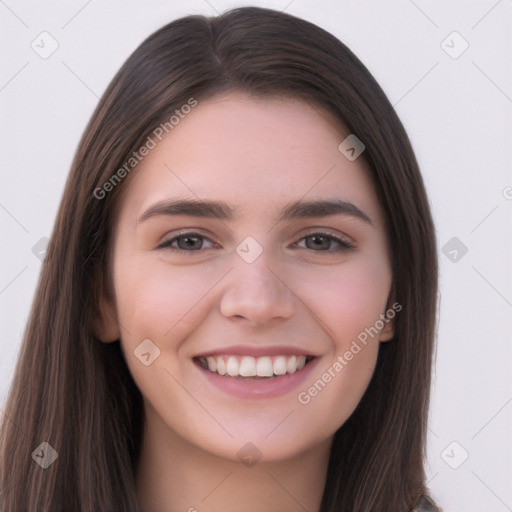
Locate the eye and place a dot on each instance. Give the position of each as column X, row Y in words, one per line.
column 323, row 242
column 187, row 242
column 317, row 242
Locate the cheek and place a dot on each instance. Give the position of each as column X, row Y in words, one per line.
column 162, row 304
column 158, row 302
column 348, row 302
column 349, row 298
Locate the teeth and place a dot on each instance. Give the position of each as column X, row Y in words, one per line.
column 280, row 365
column 247, row 366
column 221, row 367
column 264, row 367
column 291, row 364
column 232, row 366
column 212, row 363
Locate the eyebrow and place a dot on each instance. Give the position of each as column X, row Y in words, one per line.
column 222, row 211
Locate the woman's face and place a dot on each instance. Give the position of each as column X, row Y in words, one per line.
column 251, row 278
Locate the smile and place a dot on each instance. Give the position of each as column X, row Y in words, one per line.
column 265, row 367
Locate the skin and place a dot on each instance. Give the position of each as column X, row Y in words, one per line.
column 256, row 155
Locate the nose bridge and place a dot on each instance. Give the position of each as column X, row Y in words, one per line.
column 258, row 278
column 254, row 289
column 255, row 277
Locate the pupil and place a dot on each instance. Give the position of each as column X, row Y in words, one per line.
column 318, row 242
column 189, row 242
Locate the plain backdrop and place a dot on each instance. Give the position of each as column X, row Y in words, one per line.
column 452, row 91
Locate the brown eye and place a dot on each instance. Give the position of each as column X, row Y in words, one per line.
column 187, row 242
column 323, row 243
column 318, row 242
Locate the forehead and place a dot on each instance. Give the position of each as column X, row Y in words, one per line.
column 255, row 153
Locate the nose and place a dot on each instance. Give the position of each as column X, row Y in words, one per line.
column 257, row 293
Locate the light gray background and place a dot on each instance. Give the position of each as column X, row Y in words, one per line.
column 457, row 111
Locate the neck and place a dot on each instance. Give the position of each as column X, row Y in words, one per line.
column 176, row 476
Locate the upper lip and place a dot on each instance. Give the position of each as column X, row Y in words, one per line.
column 257, row 351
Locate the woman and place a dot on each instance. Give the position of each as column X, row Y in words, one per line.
column 238, row 302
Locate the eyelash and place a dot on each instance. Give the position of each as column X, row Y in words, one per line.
column 343, row 246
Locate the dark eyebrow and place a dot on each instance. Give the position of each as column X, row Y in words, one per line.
column 322, row 208
column 194, row 207
column 220, row 210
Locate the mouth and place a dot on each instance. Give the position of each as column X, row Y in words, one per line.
column 253, row 368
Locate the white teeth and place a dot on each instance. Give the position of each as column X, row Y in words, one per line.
column 280, row 365
column 301, row 362
column 264, row 367
column 221, row 367
column 212, row 363
column 291, row 365
column 232, row 366
column 247, row 366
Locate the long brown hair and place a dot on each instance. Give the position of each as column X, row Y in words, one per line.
column 76, row 393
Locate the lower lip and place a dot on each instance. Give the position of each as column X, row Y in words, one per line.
column 269, row 388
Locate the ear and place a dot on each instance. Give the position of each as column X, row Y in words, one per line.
column 388, row 331
column 105, row 324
